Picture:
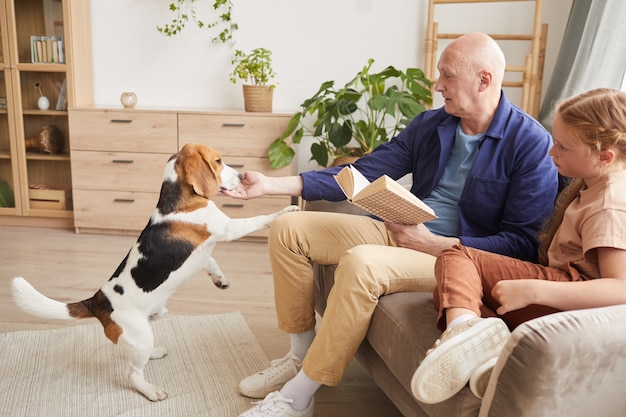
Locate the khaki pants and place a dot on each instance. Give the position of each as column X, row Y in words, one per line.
column 369, row 266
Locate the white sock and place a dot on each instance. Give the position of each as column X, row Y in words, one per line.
column 460, row 320
column 300, row 342
column 300, row 389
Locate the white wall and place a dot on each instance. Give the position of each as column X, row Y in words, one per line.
column 311, row 41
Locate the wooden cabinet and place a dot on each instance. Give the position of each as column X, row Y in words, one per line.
column 118, row 159
column 65, row 26
column 117, row 166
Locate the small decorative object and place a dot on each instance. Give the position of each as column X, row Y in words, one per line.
column 128, row 99
column 49, row 140
column 42, row 102
column 256, row 69
column 49, row 197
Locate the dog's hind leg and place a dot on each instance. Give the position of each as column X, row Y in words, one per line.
column 216, row 274
column 137, row 342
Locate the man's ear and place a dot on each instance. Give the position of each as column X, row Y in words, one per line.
column 485, row 80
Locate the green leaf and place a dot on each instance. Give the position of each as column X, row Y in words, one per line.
column 280, row 154
column 291, row 126
column 340, row 135
column 319, row 153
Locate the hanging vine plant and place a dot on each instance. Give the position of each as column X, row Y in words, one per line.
column 185, row 12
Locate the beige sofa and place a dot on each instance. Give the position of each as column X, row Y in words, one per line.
column 569, row 364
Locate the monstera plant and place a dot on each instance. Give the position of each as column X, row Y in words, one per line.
column 353, row 120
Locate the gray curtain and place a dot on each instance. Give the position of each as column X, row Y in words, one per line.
column 592, row 55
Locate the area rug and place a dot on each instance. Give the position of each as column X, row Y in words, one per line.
column 77, row 372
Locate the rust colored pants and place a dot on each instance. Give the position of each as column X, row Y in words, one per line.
column 465, row 277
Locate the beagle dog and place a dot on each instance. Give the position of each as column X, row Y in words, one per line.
column 176, row 244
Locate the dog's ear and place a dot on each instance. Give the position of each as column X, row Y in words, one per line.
column 201, row 171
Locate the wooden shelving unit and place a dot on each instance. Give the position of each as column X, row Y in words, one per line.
column 21, row 118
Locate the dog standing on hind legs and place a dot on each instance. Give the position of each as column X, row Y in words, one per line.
column 176, row 244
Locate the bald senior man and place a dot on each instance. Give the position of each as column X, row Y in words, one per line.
column 479, row 161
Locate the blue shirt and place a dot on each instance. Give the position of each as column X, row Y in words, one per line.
column 509, row 191
column 444, row 198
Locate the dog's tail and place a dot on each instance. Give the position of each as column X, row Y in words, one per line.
column 32, row 301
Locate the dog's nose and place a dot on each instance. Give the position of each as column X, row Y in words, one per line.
column 240, row 176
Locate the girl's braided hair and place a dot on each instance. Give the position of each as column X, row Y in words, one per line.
column 598, row 119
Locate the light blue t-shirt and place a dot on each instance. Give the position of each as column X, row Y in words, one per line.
column 444, row 198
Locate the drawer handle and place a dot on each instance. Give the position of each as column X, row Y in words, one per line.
column 239, row 166
column 121, row 121
column 232, row 205
column 124, row 200
column 122, row 161
column 233, row 124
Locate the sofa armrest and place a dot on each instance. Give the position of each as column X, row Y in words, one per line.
column 567, row 364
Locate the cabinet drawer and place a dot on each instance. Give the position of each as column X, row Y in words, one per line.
column 124, row 171
column 232, row 134
column 243, row 163
column 129, row 131
column 115, row 210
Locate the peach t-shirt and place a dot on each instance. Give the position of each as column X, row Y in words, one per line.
column 597, row 218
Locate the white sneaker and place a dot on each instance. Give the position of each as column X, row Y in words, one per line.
column 480, row 378
column 275, row 405
column 271, row 379
column 447, row 367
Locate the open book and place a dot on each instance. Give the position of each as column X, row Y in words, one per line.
column 384, row 198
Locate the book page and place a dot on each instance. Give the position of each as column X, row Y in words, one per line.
column 384, row 198
column 386, row 182
column 351, row 181
column 360, row 182
column 389, row 206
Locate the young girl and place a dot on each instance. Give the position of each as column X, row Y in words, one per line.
column 583, row 255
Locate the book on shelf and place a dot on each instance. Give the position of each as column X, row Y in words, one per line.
column 62, row 100
column 47, row 49
column 383, row 197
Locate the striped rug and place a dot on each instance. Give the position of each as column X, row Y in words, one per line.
column 76, row 372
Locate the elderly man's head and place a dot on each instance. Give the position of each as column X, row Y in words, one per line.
column 471, row 71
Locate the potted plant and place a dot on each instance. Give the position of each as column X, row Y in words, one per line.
column 352, row 121
column 255, row 70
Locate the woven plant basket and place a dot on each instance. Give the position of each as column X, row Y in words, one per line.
column 258, row 98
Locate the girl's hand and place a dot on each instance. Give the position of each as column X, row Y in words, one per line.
column 514, row 294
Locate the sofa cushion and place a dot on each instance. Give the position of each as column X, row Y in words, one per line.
column 567, row 364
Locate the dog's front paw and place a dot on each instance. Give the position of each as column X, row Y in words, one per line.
column 220, row 281
column 288, row 209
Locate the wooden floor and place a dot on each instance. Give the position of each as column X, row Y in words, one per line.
column 71, row 267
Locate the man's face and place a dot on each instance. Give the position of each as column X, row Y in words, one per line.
column 458, row 84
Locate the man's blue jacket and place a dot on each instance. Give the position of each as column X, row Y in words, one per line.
column 510, row 189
